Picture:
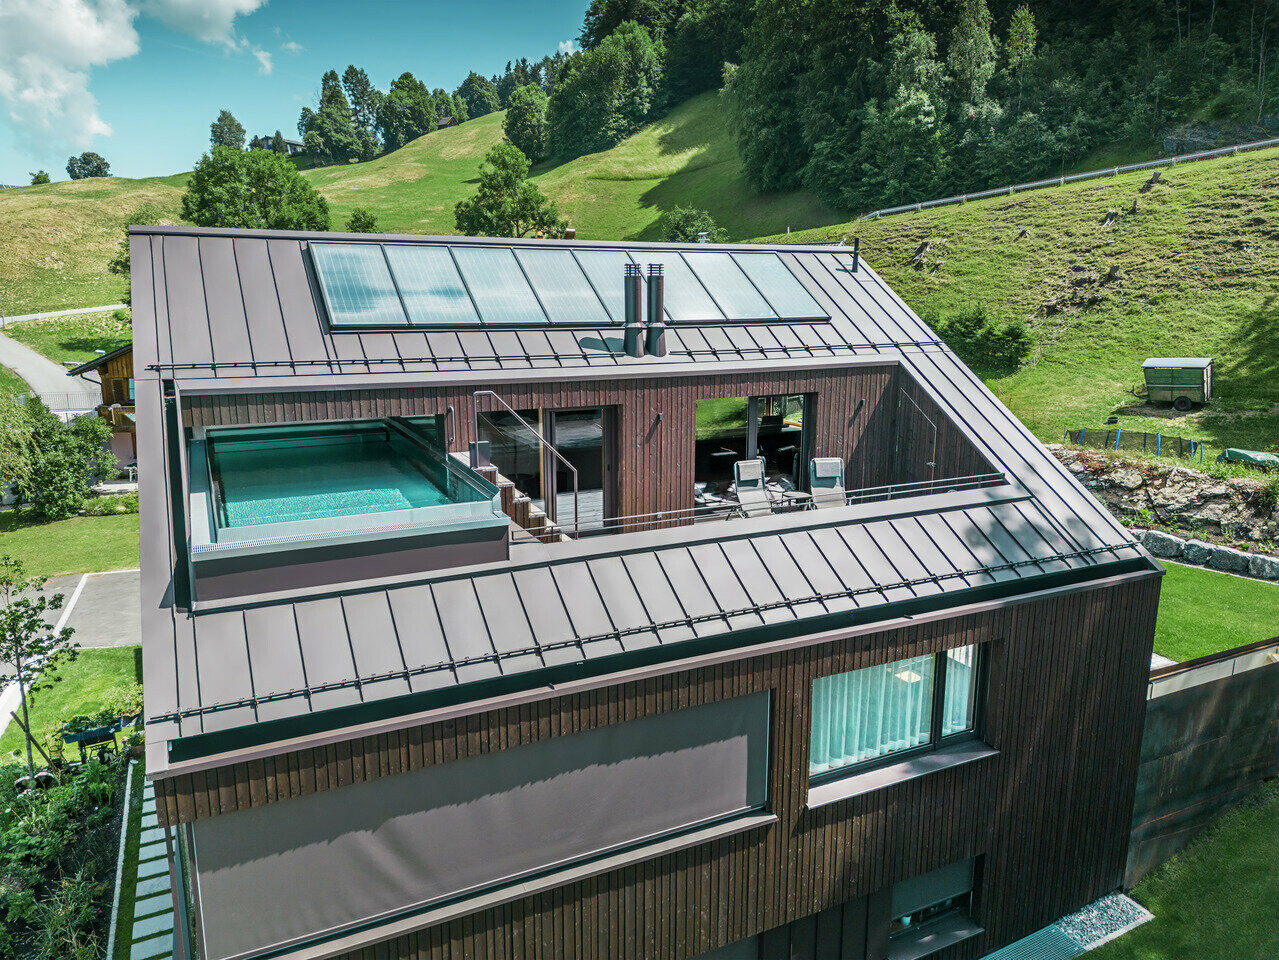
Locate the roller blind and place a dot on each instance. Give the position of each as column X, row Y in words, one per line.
column 319, row 864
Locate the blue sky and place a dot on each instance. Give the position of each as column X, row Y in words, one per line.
column 139, row 81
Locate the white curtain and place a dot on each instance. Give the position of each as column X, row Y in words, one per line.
column 957, row 706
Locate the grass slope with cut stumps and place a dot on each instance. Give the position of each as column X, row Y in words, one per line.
column 1198, row 275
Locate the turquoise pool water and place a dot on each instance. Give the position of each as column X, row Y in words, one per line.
column 274, row 480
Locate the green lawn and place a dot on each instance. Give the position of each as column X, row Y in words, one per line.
column 10, row 383
column 129, row 873
column 1202, row 612
column 76, row 338
column 77, row 545
column 1216, row 900
column 84, row 684
column 1198, row 276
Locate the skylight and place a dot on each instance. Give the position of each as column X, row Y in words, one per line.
column 375, row 285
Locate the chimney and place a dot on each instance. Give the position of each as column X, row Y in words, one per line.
column 655, row 342
column 857, row 252
column 634, row 332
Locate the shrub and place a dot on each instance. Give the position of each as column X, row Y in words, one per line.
column 684, row 224
column 981, row 342
column 525, row 122
column 60, row 459
column 361, row 221
column 112, row 504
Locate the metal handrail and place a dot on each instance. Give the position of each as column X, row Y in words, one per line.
column 726, row 510
column 475, row 432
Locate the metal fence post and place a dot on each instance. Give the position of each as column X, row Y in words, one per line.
column 1118, row 433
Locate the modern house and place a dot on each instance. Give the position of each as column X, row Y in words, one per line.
column 114, row 371
column 534, row 599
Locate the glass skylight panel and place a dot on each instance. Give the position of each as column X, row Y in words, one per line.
column 497, row 286
column 774, row 279
column 606, row 268
column 731, row 288
column 686, row 298
column 357, row 285
column 563, row 288
column 431, row 287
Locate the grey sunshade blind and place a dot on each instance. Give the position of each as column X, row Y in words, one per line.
column 497, row 285
column 431, row 287
column 562, row 287
column 357, row 285
column 314, row 865
column 775, row 280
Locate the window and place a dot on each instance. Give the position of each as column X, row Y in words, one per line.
column 895, row 708
column 728, row 429
column 932, row 911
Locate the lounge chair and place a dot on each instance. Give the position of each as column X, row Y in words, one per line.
column 753, row 498
column 826, row 481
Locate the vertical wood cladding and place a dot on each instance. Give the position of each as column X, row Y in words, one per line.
column 854, row 413
column 1049, row 813
column 114, row 375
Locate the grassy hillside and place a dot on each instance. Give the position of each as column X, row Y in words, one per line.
column 55, row 240
column 1198, row 276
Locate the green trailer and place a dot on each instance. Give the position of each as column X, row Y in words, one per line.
column 1181, row 381
column 1254, row 458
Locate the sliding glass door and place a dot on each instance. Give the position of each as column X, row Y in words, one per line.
column 729, row 429
column 584, row 439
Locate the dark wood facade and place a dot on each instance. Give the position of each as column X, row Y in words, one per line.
column 859, row 414
column 1048, row 815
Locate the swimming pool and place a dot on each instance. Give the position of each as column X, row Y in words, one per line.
column 276, row 479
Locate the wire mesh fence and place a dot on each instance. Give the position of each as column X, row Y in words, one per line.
column 1138, row 441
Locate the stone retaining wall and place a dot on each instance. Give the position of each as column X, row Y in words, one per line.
column 1170, row 547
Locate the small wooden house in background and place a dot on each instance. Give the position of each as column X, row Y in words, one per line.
column 115, row 376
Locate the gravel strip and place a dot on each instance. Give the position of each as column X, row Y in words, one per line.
column 1103, row 919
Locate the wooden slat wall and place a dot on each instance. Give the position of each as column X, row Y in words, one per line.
column 1049, row 814
column 955, row 454
column 865, row 435
column 116, row 373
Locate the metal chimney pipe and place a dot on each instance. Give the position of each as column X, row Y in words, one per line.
column 631, row 296
column 655, row 342
column 857, row 255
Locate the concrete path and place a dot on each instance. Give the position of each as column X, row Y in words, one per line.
column 152, row 937
column 62, row 313
column 47, row 379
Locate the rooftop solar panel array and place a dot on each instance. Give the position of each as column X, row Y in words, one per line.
column 371, row 285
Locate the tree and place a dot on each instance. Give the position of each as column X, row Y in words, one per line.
column 361, row 221
column 686, row 224
column 606, row 94
column 60, row 460
column 407, row 113
column 603, row 17
column 460, row 113
column 972, row 50
column 480, row 95
column 88, row 164
column 365, row 98
column 256, row 189
column 328, row 131
column 708, row 34
column 39, row 177
column 1022, row 37
column 506, row 204
column 517, row 75
column 32, row 651
column 226, row 131
column 901, row 153
column 525, row 122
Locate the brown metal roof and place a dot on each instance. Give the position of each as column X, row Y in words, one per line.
column 226, row 311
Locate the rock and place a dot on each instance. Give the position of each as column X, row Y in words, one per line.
column 1196, row 551
column 1162, row 544
column 1127, row 478
column 1264, row 568
column 1228, row 559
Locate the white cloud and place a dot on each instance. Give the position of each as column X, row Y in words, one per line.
column 570, row 47
column 292, row 46
column 47, row 48
column 212, row 21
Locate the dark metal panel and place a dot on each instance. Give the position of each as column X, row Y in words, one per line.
column 188, row 674
column 417, row 625
column 817, row 570
column 508, row 346
column 782, row 567
column 464, row 629
column 585, row 608
column 694, row 596
column 302, row 318
column 375, row 643
column 547, row 616
column 185, row 299
column 716, row 568
column 954, row 548
column 626, row 607
column 327, row 657
column 756, row 579
column 507, row 624
column 982, row 549
column 227, row 325
column 275, row 659
column 850, row 569
column 1008, row 530
column 655, row 590
column 224, row 669
column 908, row 564
column 267, row 336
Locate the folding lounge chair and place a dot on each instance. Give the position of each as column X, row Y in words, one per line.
column 826, row 481
column 753, row 499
